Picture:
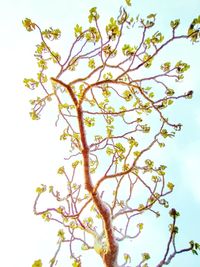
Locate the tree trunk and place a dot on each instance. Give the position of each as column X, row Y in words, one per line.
column 110, row 259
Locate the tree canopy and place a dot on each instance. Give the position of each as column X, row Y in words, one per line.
column 113, row 99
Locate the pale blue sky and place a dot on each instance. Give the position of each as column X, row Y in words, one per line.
column 31, row 152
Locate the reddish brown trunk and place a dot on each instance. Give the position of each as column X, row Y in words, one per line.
column 110, row 259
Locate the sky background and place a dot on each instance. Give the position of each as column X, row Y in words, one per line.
column 31, row 153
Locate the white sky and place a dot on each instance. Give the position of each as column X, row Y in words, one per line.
column 31, row 152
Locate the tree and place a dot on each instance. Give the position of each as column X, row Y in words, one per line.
column 112, row 114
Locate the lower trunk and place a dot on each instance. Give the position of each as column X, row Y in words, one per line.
column 110, row 259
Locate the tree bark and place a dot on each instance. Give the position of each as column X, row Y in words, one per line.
column 110, row 256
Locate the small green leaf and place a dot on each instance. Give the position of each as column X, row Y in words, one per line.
column 37, row 263
column 92, row 35
column 127, row 258
column 84, row 247
column 64, row 135
column 30, row 83
column 41, row 189
column 28, row 24
column 91, row 63
column 145, row 256
column 140, row 226
column 197, row 246
column 150, row 20
column 136, row 153
column 170, row 92
column 173, row 228
column 164, row 133
column 170, row 102
column 194, row 252
column 61, row 170
column 61, row 234
column 151, row 16
column 75, row 164
column 90, row 122
column 76, row 263
column 108, row 76
column 141, row 207
column 128, row 2
column 181, row 67
column 34, row 116
column 132, row 142
column 119, row 148
column 127, row 95
column 93, row 15
column 60, row 209
column 106, row 93
column 50, row 189
column 157, row 38
column 175, row 23
column 170, row 186
column 112, row 29
column 128, row 50
column 161, row 145
column 109, row 151
column 147, row 59
column 46, row 216
column 151, row 95
column 145, row 128
column 77, row 30
column 42, row 77
column 42, row 63
column 166, row 66
column 55, row 57
column 51, row 34
column 194, row 30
